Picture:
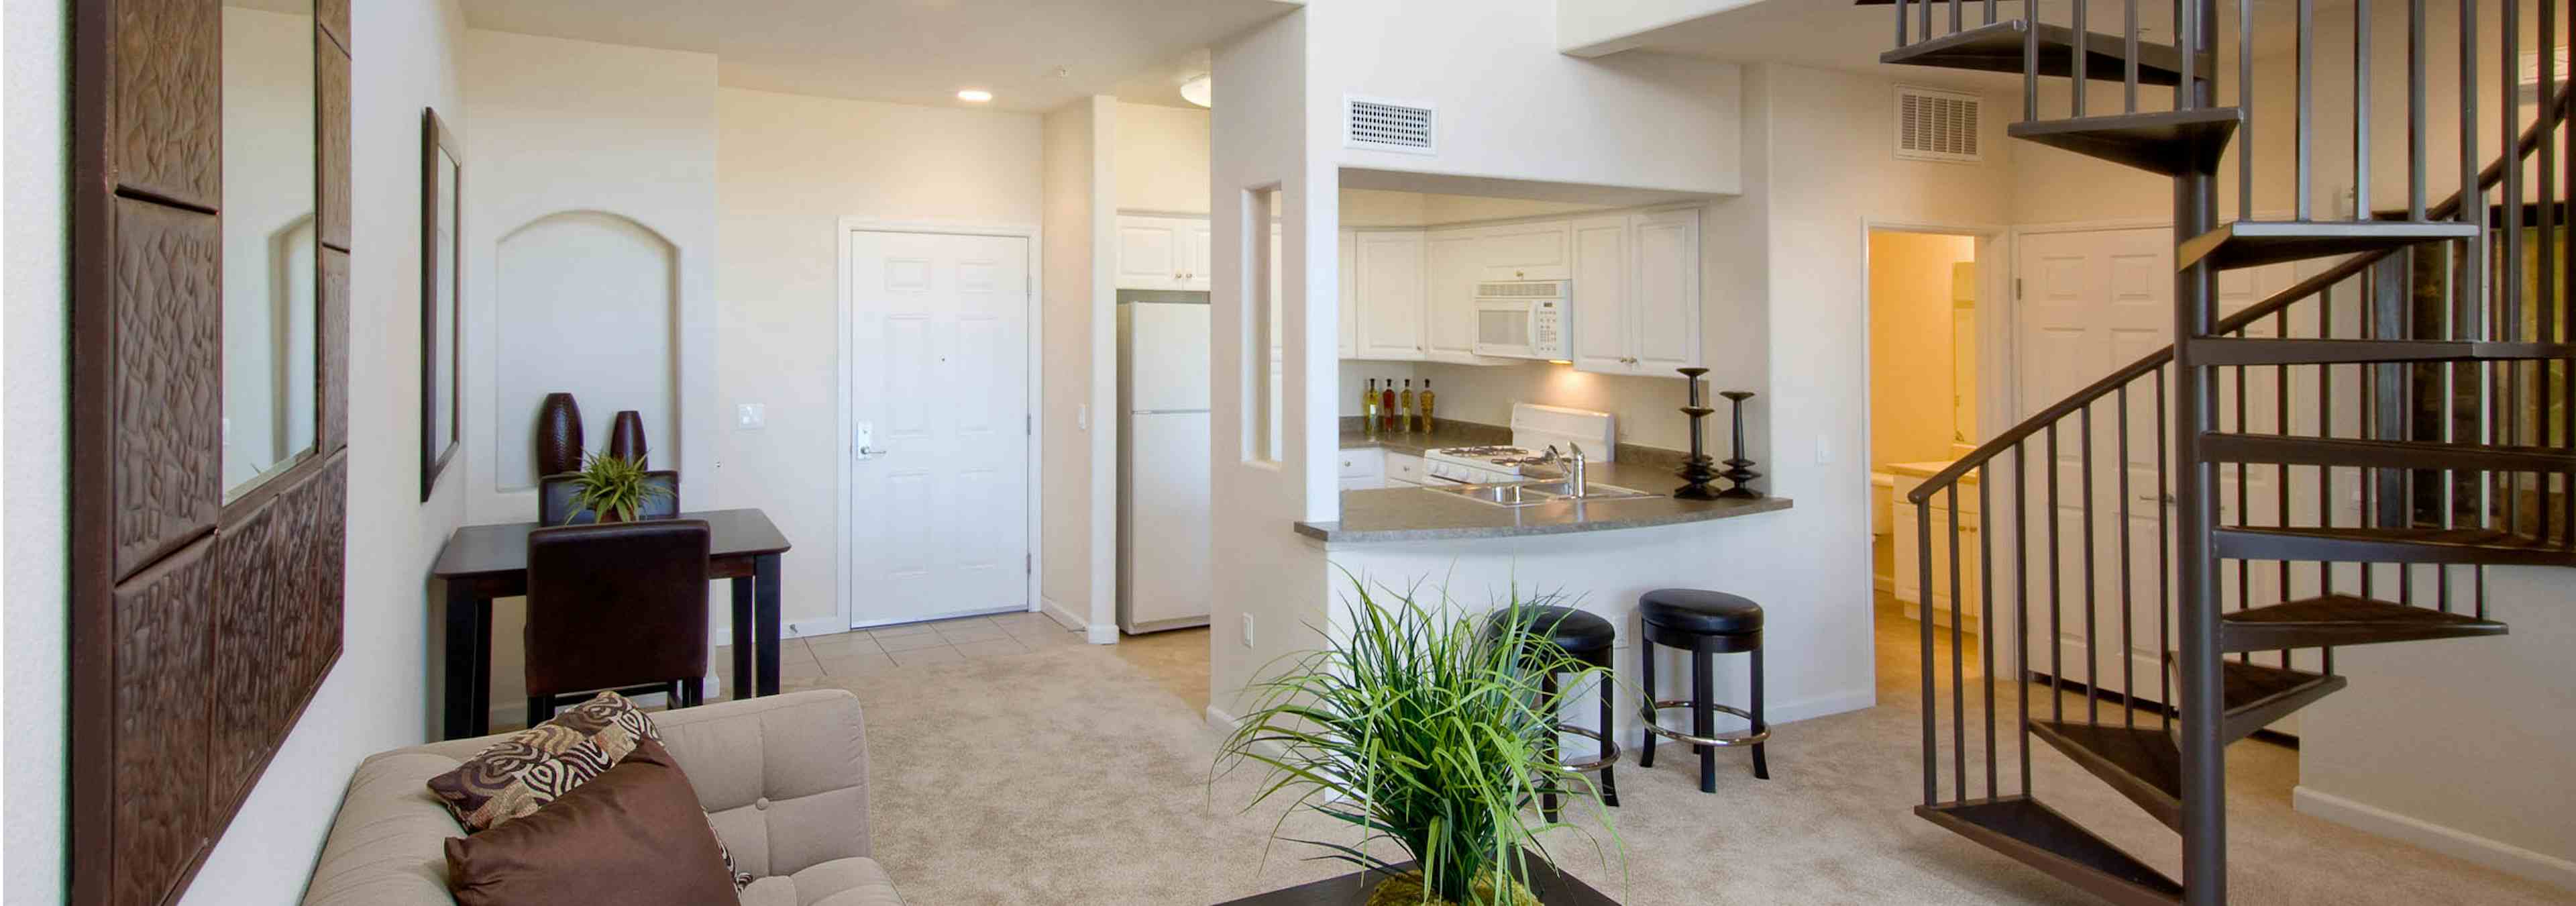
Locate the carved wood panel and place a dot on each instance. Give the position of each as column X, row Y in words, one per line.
column 168, row 377
column 333, row 372
column 331, row 79
column 168, row 114
column 161, row 692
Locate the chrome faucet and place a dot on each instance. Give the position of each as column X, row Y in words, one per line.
column 1575, row 481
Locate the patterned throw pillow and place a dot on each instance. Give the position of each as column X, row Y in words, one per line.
column 535, row 766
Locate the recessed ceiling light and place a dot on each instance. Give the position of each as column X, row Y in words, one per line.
column 1197, row 90
column 974, row 95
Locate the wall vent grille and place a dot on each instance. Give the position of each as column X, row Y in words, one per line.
column 1384, row 125
column 1530, row 289
column 1938, row 125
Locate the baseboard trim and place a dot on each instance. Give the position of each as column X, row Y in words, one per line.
column 1063, row 617
column 1101, row 634
column 2496, row 854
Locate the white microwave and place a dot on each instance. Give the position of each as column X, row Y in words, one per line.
column 1522, row 319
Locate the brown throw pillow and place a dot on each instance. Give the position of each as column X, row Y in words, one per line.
column 519, row 775
column 632, row 836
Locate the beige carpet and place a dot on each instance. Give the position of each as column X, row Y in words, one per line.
column 1070, row 775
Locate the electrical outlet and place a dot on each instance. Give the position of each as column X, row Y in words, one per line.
column 1082, row 411
column 1247, row 630
column 1824, row 450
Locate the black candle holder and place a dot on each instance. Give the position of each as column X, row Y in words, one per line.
column 1739, row 469
column 1699, row 469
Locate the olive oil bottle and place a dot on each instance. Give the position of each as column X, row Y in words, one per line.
column 1425, row 403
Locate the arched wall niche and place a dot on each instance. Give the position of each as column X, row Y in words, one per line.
column 587, row 303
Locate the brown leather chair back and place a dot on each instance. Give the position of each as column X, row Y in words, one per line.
column 554, row 499
column 617, row 605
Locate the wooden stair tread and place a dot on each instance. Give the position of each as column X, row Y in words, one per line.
column 2038, row 836
column 2220, row 351
column 2257, row 695
column 2383, row 454
column 1998, row 48
column 2254, row 243
column 2343, row 620
column 2168, row 143
column 2489, row 547
column 2140, row 762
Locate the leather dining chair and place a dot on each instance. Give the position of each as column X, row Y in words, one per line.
column 620, row 606
column 554, row 499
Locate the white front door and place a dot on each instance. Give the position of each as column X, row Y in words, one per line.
column 939, row 381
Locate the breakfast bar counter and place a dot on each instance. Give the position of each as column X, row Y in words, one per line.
column 1426, row 514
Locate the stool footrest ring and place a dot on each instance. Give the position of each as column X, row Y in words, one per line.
column 1609, row 751
column 1761, row 731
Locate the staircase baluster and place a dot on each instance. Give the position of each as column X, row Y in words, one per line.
column 2245, row 130
column 1931, row 702
column 2547, row 286
column 2030, row 69
column 2325, row 428
column 2021, row 601
column 2092, row 647
column 2129, row 79
column 2164, row 560
column 2281, row 426
column 2128, row 611
column 1902, row 42
column 1958, row 653
column 2415, row 178
column 1990, row 12
column 2056, row 593
column 2244, row 508
column 2509, row 278
column 2305, row 125
column 1956, row 23
column 2077, row 57
column 2361, row 110
column 1986, row 609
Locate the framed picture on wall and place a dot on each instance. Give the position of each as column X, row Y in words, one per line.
column 441, row 302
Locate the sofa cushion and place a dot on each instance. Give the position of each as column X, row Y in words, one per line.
column 633, row 834
column 855, row 881
column 520, row 774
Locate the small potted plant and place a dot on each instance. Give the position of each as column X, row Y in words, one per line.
column 613, row 487
column 1428, row 730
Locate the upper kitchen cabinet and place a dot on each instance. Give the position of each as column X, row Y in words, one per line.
column 1389, row 292
column 1525, row 251
column 1164, row 253
column 1453, row 264
column 1636, row 293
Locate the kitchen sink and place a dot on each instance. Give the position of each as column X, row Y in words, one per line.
column 1533, row 493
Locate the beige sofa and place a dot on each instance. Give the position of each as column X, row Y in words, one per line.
column 784, row 779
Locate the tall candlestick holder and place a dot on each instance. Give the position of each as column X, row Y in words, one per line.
column 1739, row 469
column 1699, row 469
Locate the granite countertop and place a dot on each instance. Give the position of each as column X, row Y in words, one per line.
column 1418, row 514
column 1447, row 434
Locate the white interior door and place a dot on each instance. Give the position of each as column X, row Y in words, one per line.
column 939, row 481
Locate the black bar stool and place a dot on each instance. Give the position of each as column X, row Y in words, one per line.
column 1704, row 623
column 1587, row 638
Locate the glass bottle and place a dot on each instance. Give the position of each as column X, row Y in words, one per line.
column 1404, row 406
column 1368, row 408
column 1426, row 405
column 1386, row 406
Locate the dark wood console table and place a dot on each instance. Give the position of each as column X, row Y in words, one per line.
column 483, row 562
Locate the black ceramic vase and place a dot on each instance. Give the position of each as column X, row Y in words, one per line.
column 626, row 437
column 558, row 435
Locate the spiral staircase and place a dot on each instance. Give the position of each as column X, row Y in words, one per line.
column 2422, row 370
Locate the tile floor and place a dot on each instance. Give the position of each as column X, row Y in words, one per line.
column 804, row 661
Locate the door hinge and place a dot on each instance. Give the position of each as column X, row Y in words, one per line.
column 1029, row 425
column 1029, row 564
column 2016, row 289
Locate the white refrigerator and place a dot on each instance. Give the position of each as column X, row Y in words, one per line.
column 1164, row 577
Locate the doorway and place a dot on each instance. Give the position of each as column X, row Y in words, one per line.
column 938, row 515
column 1924, row 294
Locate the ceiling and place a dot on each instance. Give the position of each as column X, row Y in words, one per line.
column 1160, row 85
column 1836, row 34
column 1032, row 56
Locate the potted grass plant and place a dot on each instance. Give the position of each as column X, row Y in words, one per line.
column 614, row 487
column 1426, row 730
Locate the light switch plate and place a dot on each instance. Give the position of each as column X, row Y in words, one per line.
column 750, row 417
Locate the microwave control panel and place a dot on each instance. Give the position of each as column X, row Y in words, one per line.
column 1547, row 329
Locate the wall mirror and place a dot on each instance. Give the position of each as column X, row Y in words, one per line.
column 270, row 274
column 441, row 200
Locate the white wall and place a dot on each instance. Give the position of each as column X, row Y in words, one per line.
column 787, row 168
column 1525, row 111
column 383, row 693
column 33, row 466
column 1078, row 487
column 1162, row 158
column 605, row 133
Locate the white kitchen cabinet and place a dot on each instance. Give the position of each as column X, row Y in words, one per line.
column 1157, row 252
column 1363, row 469
column 1910, row 553
column 1349, row 340
column 1452, row 265
column 1389, row 293
column 1636, row 291
column 1403, row 470
column 1526, row 251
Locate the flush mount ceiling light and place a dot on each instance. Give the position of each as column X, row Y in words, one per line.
column 1197, row 89
column 974, row 95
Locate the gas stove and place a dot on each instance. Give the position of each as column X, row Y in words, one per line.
column 1534, row 428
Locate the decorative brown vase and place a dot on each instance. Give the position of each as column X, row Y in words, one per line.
column 626, row 437
column 558, row 435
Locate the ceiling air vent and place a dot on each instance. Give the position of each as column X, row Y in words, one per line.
column 1937, row 125
column 1381, row 125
